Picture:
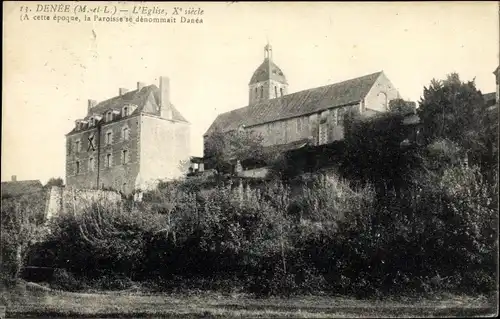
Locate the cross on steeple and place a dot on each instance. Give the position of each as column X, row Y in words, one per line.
column 268, row 51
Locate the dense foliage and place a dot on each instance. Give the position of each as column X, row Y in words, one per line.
column 387, row 221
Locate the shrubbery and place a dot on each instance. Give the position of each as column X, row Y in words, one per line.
column 326, row 237
column 390, row 222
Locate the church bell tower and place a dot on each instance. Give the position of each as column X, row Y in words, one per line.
column 268, row 81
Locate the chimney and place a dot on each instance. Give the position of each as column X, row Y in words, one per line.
column 140, row 85
column 165, row 110
column 91, row 104
column 122, row 91
column 14, row 178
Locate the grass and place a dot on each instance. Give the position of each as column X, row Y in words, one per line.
column 33, row 300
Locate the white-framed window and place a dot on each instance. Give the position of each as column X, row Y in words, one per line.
column 108, row 137
column 77, row 167
column 125, row 133
column 109, row 116
column 125, row 111
column 108, row 160
column 78, row 146
column 91, row 164
column 125, row 157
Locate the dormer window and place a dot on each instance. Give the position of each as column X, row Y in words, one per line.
column 109, row 116
column 125, row 111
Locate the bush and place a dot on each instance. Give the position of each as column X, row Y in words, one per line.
column 64, row 280
column 323, row 235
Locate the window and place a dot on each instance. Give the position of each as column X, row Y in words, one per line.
column 340, row 116
column 323, row 135
column 124, row 157
column 108, row 160
column 108, row 138
column 256, row 91
column 125, row 133
column 77, row 167
column 261, row 92
column 275, row 91
column 125, row 111
column 91, row 164
column 299, row 124
column 77, row 146
column 281, row 91
column 109, row 116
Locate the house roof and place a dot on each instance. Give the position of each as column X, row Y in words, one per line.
column 297, row 104
column 147, row 100
column 489, row 98
column 17, row 188
column 268, row 70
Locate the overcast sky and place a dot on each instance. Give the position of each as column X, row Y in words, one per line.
column 51, row 69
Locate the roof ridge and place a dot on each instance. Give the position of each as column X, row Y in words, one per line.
column 290, row 95
column 336, row 83
column 118, row 96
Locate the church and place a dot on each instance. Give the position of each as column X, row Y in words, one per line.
column 128, row 142
column 292, row 120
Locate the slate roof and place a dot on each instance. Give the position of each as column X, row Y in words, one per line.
column 268, row 70
column 281, row 148
column 297, row 104
column 17, row 188
column 150, row 93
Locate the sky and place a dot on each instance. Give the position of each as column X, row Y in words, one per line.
column 51, row 69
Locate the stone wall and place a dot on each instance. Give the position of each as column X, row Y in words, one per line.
column 120, row 176
column 163, row 144
column 304, row 127
column 71, row 200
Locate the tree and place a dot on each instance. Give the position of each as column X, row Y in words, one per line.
column 402, row 107
column 21, row 221
column 452, row 109
column 55, row 182
column 223, row 147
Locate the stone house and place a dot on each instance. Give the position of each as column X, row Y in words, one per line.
column 313, row 116
column 492, row 98
column 15, row 188
column 128, row 142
